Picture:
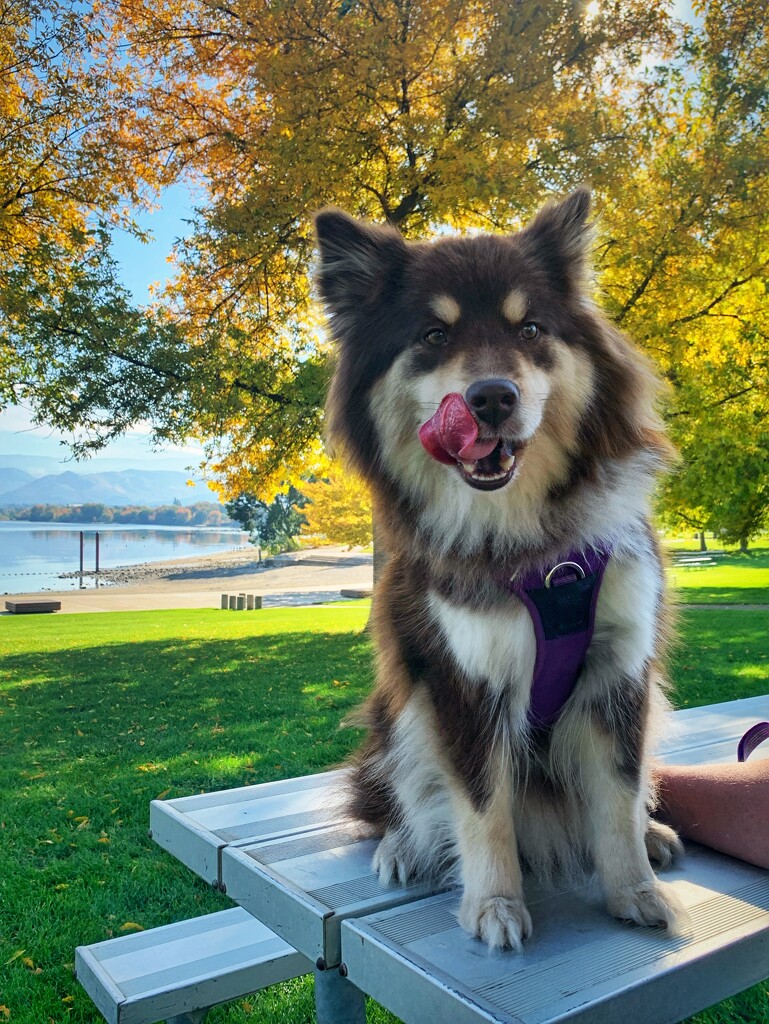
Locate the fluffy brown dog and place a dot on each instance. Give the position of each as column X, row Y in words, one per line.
column 555, row 453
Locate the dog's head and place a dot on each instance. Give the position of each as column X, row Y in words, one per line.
column 504, row 325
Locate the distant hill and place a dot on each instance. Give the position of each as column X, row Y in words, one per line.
column 127, row 487
column 34, row 465
column 10, row 479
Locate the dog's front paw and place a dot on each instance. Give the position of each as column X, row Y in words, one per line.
column 662, row 844
column 649, row 903
column 503, row 922
column 392, row 860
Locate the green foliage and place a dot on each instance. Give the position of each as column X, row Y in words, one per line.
column 274, row 526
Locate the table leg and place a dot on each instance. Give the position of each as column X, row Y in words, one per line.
column 193, row 1017
column 337, row 1000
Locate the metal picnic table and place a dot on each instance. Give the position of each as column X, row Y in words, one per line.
column 279, row 851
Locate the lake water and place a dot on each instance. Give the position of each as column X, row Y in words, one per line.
column 33, row 554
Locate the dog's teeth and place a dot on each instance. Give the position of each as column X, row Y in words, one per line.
column 507, row 462
column 469, row 467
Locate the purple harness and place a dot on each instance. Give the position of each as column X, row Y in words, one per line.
column 561, row 604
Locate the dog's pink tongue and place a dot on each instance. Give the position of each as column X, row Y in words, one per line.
column 452, row 433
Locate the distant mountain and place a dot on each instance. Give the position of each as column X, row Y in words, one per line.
column 34, row 465
column 18, row 452
column 128, row 487
column 10, row 479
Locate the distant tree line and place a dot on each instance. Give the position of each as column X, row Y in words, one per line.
column 202, row 513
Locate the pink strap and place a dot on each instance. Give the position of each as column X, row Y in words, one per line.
column 755, row 735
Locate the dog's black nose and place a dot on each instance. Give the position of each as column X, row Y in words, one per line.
column 492, row 400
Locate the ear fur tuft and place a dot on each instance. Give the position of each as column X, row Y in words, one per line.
column 559, row 237
column 358, row 261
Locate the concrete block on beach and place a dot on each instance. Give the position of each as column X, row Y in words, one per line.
column 242, row 602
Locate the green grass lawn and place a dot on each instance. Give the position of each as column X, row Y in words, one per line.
column 735, row 579
column 99, row 714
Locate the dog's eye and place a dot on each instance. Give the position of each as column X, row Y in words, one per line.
column 435, row 336
column 529, row 331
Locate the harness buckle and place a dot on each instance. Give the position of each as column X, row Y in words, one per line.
column 564, row 565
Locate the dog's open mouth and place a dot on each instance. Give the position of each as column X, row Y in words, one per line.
column 451, row 436
column 492, row 471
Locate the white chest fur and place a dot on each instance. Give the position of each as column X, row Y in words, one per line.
column 497, row 647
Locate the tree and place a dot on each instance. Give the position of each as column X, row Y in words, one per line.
column 420, row 114
column 426, row 116
column 275, row 526
column 338, row 509
column 66, row 177
column 685, row 258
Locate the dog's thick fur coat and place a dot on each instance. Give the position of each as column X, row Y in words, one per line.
column 453, row 776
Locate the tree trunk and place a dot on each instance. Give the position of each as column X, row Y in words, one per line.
column 743, row 544
column 703, row 545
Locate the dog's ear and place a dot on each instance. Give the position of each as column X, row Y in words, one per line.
column 359, row 262
column 559, row 238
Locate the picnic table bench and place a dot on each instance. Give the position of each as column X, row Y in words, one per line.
column 279, row 852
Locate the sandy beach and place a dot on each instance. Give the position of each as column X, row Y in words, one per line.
column 299, row 577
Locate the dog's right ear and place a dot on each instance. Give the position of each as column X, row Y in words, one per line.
column 359, row 262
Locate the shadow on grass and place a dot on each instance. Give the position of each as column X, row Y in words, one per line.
column 91, row 735
column 197, row 710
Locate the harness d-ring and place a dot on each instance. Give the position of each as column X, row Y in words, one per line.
column 564, row 565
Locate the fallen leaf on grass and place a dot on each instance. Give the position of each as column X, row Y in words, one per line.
column 5, row 1011
column 16, row 955
column 131, row 926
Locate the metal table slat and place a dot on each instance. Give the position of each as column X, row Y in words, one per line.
column 710, row 734
column 149, row 976
column 306, row 885
column 195, row 829
column 579, row 965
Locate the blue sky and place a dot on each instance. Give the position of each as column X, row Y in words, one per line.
column 141, row 266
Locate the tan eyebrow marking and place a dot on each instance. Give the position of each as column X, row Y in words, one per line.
column 446, row 308
column 515, row 305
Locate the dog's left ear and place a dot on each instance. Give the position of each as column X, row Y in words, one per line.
column 559, row 237
column 359, row 262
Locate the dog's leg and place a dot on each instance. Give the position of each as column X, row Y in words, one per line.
column 614, row 785
column 492, row 905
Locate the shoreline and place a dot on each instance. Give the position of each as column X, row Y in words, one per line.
column 199, row 581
